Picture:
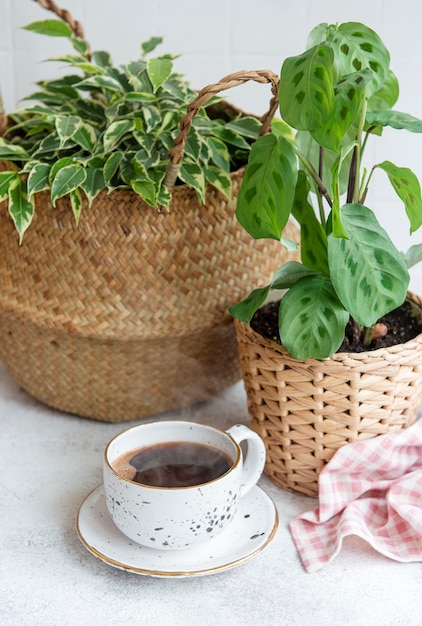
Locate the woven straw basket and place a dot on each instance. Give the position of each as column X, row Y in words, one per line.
column 306, row 410
column 125, row 315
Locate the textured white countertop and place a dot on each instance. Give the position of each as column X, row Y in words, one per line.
column 49, row 462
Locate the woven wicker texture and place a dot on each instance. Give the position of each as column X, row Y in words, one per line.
column 306, row 410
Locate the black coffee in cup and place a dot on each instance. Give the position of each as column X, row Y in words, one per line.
column 173, row 464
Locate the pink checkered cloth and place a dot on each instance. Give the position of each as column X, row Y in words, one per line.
column 372, row 489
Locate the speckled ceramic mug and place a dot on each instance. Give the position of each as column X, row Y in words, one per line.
column 170, row 518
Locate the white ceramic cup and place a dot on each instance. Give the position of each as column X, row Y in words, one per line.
column 174, row 518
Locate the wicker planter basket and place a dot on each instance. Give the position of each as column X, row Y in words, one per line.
column 125, row 315
column 306, row 410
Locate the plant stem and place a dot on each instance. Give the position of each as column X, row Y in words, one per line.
column 359, row 152
column 367, row 335
column 315, row 176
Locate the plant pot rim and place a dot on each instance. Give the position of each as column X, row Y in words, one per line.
column 346, row 357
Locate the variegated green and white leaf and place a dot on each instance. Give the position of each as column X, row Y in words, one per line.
column 146, row 189
column 58, row 165
column 7, row 180
column 152, row 117
column 20, row 208
column 115, row 133
column 93, row 183
column 112, row 165
column 66, row 126
column 158, row 71
column 219, row 153
column 66, row 180
column 219, row 179
column 193, row 175
column 12, row 151
column 76, row 204
column 38, row 178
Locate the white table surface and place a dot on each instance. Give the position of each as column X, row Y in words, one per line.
column 49, row 462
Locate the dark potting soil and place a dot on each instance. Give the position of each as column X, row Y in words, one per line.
column 396, row 327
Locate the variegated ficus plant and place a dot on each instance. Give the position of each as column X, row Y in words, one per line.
column 333, row 98
column 102, row 127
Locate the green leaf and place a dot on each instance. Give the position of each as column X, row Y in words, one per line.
column 219, row 153
column 52, row 28
column 152, row 117
column 115, row 132
column 413, row 256
column 85, row 136
column 306, row 88
column 219, row 179
column 76, row 204
column 267, row 191
column 367, row 271
column 7, row 180
column 66, row 180
column 150, row 45
column 312, row 320
column 93, row 183
column 38, row 178
column 139, row 96
column 245, row 310
column 112, row 165
column 12, row 151
column 158, row 71
column 395, row 119
column 146, row 189
column 386, row 97
column 102, row 58
column 289, row 274
column 246, row 126
column 193, row 175
column 58, row 165
column 66, row 126
column 348, row 98
column 20, row 209
column 229, row 136
column 99, row 83
column 313, row 240
column 358, row 47
column 408, row 189
column 80, row 45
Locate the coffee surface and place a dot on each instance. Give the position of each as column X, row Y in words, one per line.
column 174, row 464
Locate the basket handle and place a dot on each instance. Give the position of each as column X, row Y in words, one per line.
column 232, row 80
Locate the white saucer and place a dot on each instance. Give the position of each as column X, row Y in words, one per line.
column 251, row 530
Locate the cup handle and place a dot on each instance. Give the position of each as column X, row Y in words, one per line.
column 253, row 463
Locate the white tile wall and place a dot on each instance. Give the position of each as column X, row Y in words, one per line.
column 222, row 36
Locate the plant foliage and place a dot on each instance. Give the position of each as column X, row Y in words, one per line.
column 105, row 127
column 334, row 96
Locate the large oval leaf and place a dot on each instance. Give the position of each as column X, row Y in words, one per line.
column 306, row 88
column 367, row 271
column 358, row 47
column 312, row 320
column 267, row 191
